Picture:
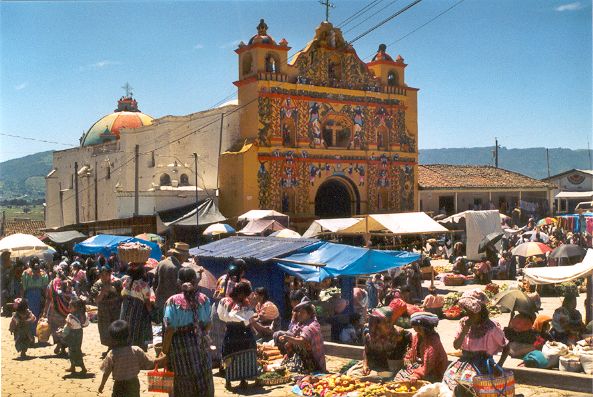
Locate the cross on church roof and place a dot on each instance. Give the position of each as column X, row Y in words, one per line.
column 327, row 5
column 128, row 89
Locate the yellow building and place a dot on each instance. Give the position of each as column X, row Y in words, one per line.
column 326, row 134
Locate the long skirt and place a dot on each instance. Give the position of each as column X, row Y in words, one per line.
column 55, row 321
column 35, row 298
column 238, row 337
column 106, row 314
column 135, row 313
column 189, row 361
column 73, row 340
column 217, row 332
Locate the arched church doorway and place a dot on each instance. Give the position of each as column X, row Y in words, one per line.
column 337, row 198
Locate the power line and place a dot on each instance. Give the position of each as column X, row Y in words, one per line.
column 36, row 139
column 360, row 12
column 383, row 22
column 370, row 16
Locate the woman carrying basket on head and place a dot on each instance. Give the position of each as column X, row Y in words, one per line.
column 137, row 302
column 186, row 320
column 479, row 338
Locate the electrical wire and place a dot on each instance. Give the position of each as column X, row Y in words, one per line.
column 360, row 12
column 37, row 140
column 370, row 16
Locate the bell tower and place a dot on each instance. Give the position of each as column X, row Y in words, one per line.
column 390, row 72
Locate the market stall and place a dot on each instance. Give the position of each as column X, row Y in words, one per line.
column 107, row 244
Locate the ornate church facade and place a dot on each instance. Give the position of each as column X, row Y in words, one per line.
column 325, row 135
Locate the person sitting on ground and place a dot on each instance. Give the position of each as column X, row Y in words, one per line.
column 124, row 362
column 483, row 270
column 460, row 266
column 542, row 326
column 266, row 320
column 501, row 271
column 520, row 335
column 567, row 322
column 426, row 358
column 20, row 326
column 385, row 345
column 351, row 334
column 433, row 303
column 306, row 351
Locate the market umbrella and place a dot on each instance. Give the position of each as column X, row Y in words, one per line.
column 490, row 239
column 531, row 234
column 22, row 245
column 218, row 228
column 546, row 221
column 285, row 233
column 208, row 280
column 515, row 300
column 155, row 238
column 568, row 251
column 530, row 249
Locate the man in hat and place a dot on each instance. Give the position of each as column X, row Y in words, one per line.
column 165, row 281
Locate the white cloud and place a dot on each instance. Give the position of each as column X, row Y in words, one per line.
column 230, row 44
column 198, row 46
column 21, row 86
column 570, row 7
column 99, row 65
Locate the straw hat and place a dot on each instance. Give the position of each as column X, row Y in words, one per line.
column 180, row 248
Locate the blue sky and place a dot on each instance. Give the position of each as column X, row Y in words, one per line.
column 518, row 70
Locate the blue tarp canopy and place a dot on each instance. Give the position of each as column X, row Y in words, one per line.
column 106, row 244
column 341, row 260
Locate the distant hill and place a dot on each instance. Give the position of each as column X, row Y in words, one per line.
column 25, row 175
column 530, row 162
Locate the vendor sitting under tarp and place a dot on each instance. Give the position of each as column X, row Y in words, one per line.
column 304, row 343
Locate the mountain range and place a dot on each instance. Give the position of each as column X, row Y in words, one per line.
column 24, row 177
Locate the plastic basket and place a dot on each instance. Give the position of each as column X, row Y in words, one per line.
column 160, row 381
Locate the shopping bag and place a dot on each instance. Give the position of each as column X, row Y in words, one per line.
column 497, row 383
column 160, row 381
column 42, row 330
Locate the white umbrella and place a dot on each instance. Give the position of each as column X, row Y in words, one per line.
column 22, row 245
column 218, row 228
column 285, row 233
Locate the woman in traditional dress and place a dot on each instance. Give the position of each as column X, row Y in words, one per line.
column 426, row 359
column 567, row 322
column 136, row 305
column 236, row 312
column 305, row 346
column 107, row 295
column 266, row 320
column 384, row 346
column 479, row 338
column 225, row 285
column 35, row 282
column 186, row 321
column 58, row 295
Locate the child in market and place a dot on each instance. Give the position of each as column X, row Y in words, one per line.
column 124, row 362
column 20, row 326
column 75, row 322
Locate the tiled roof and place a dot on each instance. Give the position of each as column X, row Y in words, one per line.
column 446, row 176
column 25, row 226
column 261, row 248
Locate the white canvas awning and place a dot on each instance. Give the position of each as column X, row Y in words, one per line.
column 330, row 225
column 560, row 274
column 478, row 224
column 402, row 223
column 574, row 195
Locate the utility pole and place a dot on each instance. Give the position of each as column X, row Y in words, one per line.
column 96, row 194
column 136, row 168
column 77, row 213
column 219, row 149
column 548, row 160
column 496, row 152
column 197, row 197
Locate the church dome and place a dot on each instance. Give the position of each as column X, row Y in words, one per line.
column 107, row 129
column 262, row 35
column 382, row 54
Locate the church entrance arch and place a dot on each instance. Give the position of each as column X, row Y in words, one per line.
column 337, row 197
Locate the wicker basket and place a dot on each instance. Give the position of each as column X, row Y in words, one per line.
column 453, row 281
column 273, row 381
column 133, row 255
column 426, row 271
column 418, row 384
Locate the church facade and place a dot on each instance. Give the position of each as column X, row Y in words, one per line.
column 325, row 135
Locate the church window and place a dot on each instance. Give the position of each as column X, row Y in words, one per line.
column 337, row 132
column 247, row 65
column 152, row 161
column 272, row 64
column 165, row 180
column 392, row 79
column 334, row 70
column 383, row 200
column 183, row 180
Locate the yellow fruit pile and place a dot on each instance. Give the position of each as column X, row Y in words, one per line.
column 338, row 385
